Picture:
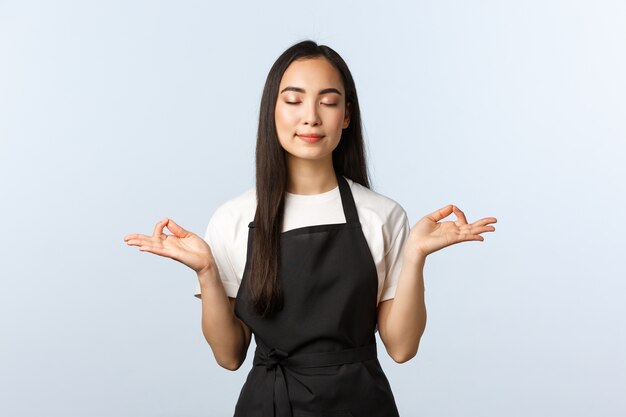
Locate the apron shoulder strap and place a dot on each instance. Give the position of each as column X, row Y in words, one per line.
column 347, row 200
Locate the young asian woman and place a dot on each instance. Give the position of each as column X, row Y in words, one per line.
column 311, row 261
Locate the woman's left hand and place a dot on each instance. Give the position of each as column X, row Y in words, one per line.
column 429, row 235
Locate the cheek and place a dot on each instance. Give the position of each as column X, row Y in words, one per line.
column 285, row 117
column 337, row 119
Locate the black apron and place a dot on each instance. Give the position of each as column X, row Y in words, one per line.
column 317, row 356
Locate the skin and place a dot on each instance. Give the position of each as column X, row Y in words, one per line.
column 312, row 100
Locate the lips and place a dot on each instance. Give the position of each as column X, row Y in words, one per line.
column 309, row 137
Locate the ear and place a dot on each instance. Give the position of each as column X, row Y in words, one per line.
column 346, row 117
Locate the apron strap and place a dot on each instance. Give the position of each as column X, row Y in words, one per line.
column 349, row 208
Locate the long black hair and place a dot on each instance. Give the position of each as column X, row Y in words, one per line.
column 263, row 284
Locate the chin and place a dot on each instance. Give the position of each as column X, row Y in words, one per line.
column 306, row 156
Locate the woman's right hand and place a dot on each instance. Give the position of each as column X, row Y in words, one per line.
column 183, row 246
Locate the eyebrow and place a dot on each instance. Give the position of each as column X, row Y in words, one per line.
column 302, row 90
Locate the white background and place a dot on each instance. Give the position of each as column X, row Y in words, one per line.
column 116, row 114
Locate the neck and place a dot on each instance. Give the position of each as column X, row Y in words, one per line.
column 310, row 177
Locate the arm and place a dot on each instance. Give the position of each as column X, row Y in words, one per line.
column 227, row 335
column 401, row 321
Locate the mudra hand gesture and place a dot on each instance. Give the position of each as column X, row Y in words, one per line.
column 428, row 235
column 183, row 246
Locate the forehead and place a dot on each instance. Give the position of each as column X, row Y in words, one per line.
column 312, row 74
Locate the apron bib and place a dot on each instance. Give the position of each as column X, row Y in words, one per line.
column 317, row 356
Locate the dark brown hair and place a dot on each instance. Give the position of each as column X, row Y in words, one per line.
column 263, row 284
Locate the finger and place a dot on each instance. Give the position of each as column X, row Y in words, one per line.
column 136, row 238
column 176, row 229
column 459, row 214
column 442, row 213
column 473, row 230
column 139, row 241
column 476, row 235
column 131, row 242
column 156, row 249
column 469, row 237
column 131, row 236
column 158, row 228
column 484, row 221
column 482, row 229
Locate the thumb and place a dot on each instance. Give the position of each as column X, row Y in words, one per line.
column 176, row 229
column 440, row 214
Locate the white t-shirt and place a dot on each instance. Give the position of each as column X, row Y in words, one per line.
column 384, row 222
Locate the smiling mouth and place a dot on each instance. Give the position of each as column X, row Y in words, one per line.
column 310, row 138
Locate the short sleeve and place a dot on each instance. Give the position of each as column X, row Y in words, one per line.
column 221, row 250
column 393, row 256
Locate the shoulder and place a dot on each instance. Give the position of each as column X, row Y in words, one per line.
column 376, row 206
column 235, row 213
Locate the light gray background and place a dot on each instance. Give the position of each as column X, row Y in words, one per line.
column 116, row 114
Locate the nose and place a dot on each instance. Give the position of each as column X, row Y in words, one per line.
column 311, row 115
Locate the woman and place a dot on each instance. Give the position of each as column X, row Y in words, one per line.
column 318, row 262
